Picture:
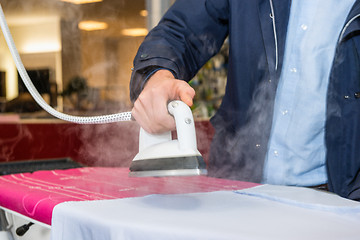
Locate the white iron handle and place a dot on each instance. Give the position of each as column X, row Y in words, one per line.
column 185, row 129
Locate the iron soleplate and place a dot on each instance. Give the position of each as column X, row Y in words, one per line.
column 163, row 167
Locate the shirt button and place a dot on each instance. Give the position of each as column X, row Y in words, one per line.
column 276, row 153
column 284, row 112
column 304, row 27
column 294, row 70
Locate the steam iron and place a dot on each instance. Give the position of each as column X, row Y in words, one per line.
column 160, row 156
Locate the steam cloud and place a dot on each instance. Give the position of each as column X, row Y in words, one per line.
column 109, row 145
column 245, row 149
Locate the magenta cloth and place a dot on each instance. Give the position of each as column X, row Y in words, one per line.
column 36, row 194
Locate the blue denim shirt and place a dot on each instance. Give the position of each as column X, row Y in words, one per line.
column 296, row 150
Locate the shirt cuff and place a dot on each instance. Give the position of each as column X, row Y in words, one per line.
column 152, row 72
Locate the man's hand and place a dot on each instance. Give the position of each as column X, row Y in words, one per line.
column 150, row 109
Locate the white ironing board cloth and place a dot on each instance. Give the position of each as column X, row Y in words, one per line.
column 263, row 212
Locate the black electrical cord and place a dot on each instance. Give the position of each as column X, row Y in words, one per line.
column 20, row 231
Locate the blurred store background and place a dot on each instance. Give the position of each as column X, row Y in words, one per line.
column 79, row 55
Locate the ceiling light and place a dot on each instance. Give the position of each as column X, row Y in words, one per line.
column 81, row 1
column 41, row 47
column 143, row 13
column 134, row 32
column 92, row 25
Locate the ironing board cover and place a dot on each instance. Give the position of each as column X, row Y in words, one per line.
column 36, row 194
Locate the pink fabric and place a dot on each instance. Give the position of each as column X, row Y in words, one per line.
column 36, row 194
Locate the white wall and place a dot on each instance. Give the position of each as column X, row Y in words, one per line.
column 35, row 39
column 7, row 65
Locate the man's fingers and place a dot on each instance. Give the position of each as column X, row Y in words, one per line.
column 150, row 109
column 185, row 92
column 154, row 117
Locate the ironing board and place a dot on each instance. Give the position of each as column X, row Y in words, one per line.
column 34, row 195
column 104, row 203
column 204, row 208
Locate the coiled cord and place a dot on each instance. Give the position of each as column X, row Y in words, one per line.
column 117, row 117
